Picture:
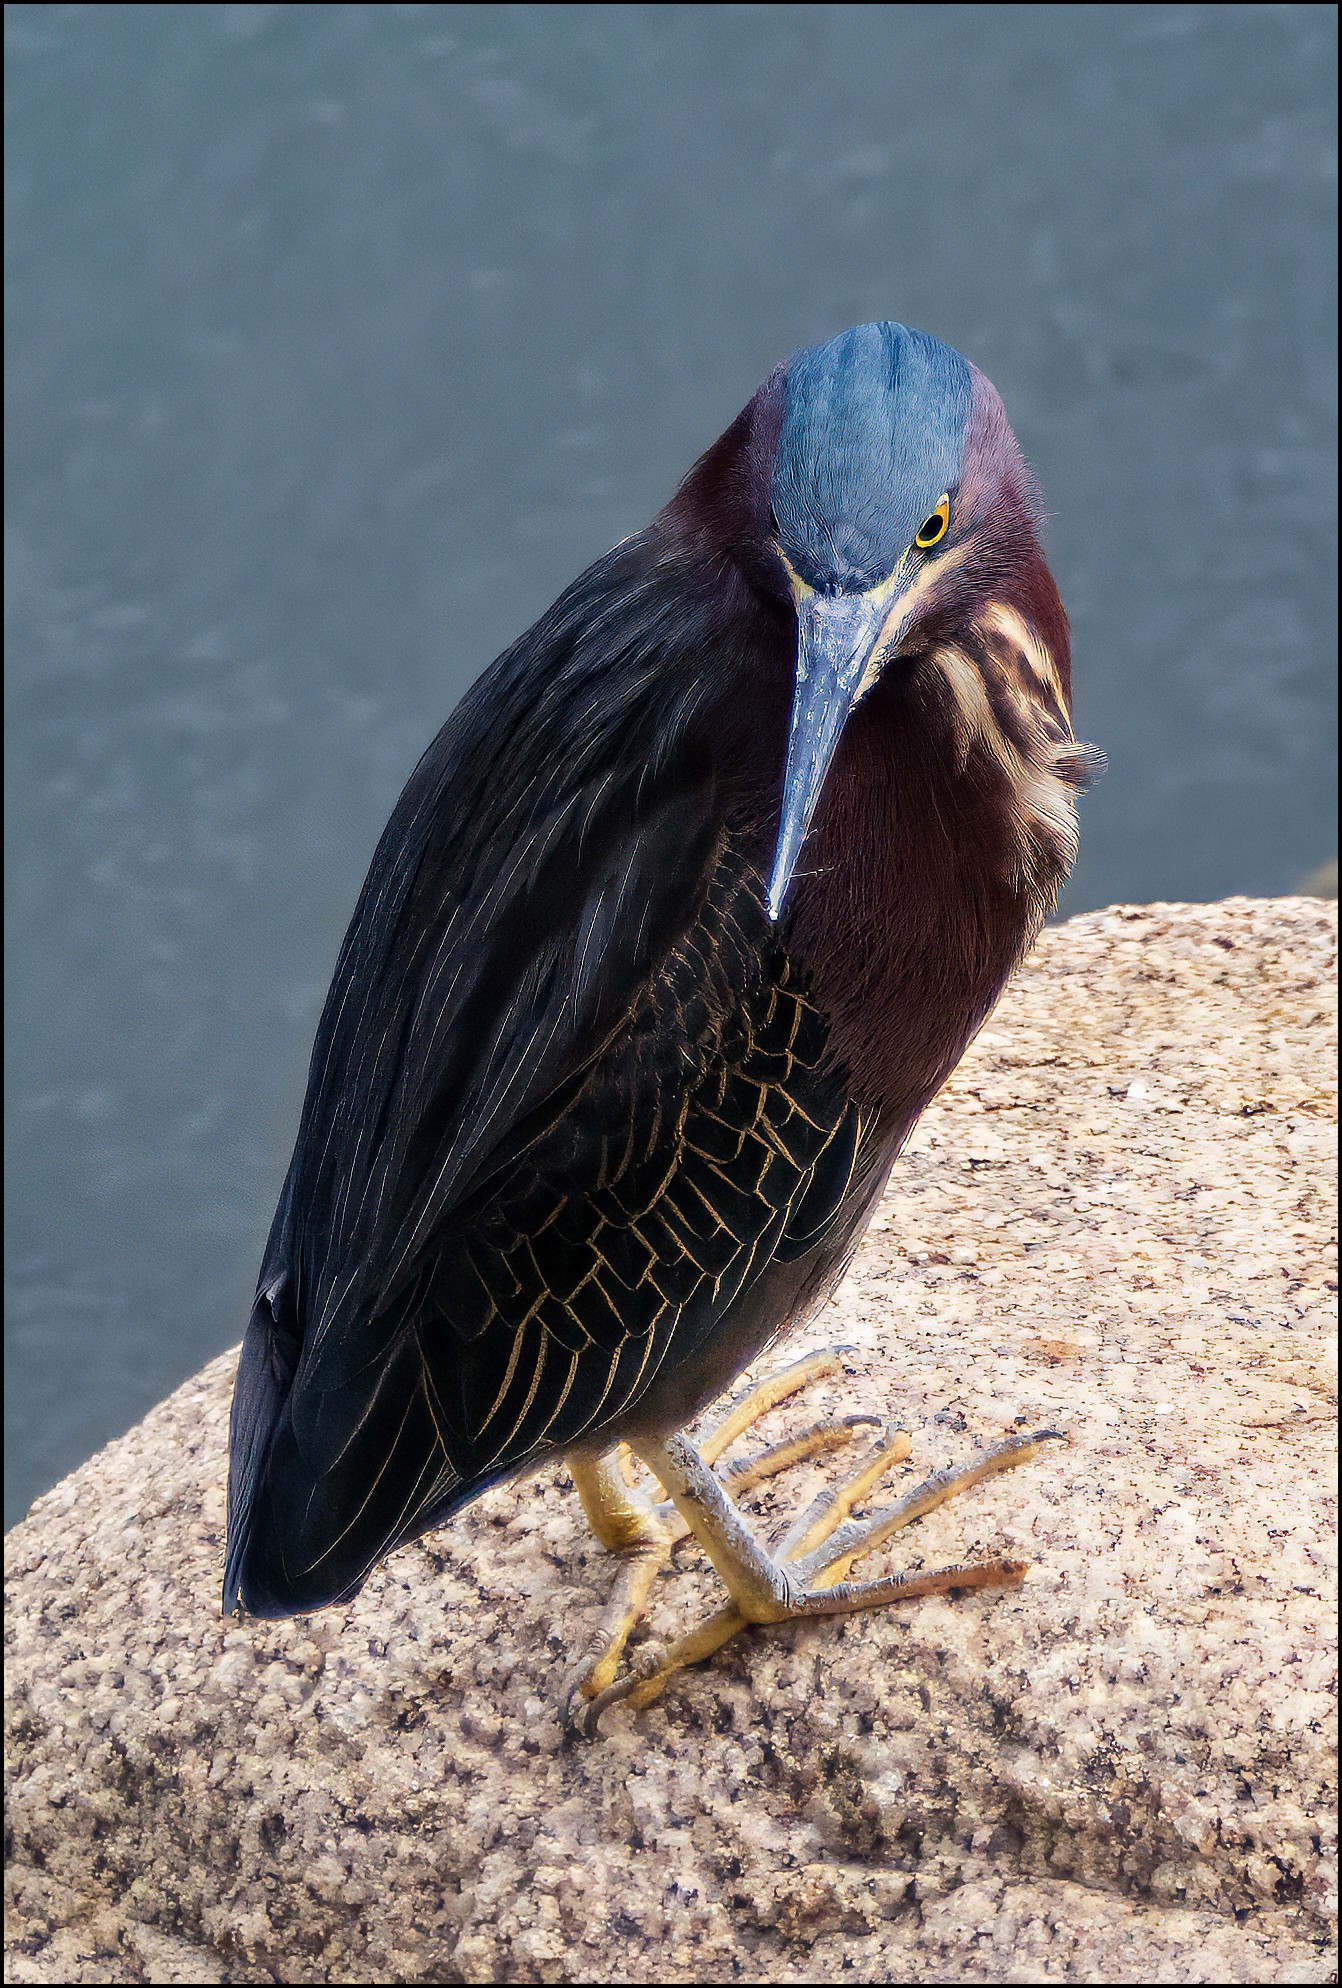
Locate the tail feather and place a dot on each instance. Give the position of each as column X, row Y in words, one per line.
column 332, row 1471
column 265, row 1375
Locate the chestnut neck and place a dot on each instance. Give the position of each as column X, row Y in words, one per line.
column 912, row 906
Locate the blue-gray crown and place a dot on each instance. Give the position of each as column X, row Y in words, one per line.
column 873, row 433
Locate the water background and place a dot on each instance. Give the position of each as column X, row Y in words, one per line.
column 339, row 338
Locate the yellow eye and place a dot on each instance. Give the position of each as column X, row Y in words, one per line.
column 932, row 530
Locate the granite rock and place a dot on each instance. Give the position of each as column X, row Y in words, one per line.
column 1117, row 1220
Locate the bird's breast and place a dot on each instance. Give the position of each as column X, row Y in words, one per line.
column 917, row 895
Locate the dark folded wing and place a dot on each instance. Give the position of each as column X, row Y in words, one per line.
column 565, row 1101
column 710, row 1140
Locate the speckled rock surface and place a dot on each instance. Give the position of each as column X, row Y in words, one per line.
column 1117, row 1220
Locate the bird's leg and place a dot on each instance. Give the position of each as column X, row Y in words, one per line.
column 644, row 1535
column 805, row 1574
column 625, row 1522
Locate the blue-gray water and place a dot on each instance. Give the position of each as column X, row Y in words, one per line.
column 339, row 338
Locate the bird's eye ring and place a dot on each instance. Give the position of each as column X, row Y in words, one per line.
column 932, row 530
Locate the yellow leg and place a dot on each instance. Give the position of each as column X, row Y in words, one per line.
column 805, row 1575
column 622, row 1518
column 625, row 1522
column 644, row 1535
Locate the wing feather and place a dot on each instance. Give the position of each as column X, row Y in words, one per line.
column 565, row 1100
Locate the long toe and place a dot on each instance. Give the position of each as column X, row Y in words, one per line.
column 768, row 1394
column 834, row 1554
column 833, row 1504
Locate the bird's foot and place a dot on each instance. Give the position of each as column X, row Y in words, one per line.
column 805, row 1575
column 645, row 1535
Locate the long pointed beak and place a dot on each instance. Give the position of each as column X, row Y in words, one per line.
column 838, row 638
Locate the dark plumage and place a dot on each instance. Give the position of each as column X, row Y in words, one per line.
column 587, row 1124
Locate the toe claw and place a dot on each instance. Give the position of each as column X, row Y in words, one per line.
column 573, row 1705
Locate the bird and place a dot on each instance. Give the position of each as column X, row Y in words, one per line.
column 680, row 923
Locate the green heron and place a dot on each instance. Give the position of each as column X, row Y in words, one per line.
column 681, row 921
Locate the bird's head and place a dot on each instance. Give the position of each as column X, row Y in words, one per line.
column 874, row 488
